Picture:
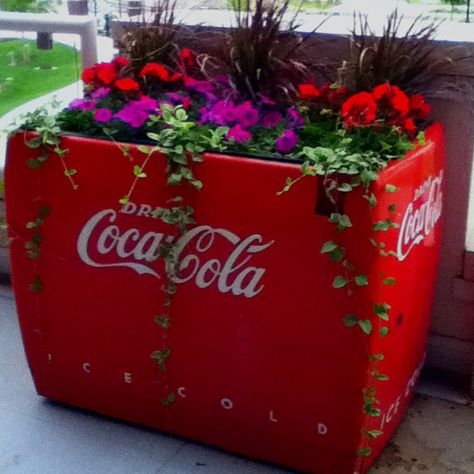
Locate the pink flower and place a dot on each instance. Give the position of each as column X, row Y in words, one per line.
column 103, row 115
column 271, row 119
column 246, row 114
column 82, row 104
column 238, row 134
column 179, row 99
column 286, row 142
column 100, row 93
column 133, row 115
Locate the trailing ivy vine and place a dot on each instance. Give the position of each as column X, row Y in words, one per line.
column 342, row 171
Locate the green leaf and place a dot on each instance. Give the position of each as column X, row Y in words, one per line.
column 329, row 246
column 124, row 200
column 339, row 282
column 390, row 188
column 171, row 398
column 70, row 172
column 344, row 222
column 33, row 164
column 381, row 311
column 350, row 320
column 137, row 171
column 336, row 255
column 389, row 281
column 34, row 142
column 160, row 357
column 370, row 410
column 372, row 434
column 365, row 325
column 163, row 321
column 384, row 331
column 197, row 184
column 392, row 207
column 44, row 212
column 344, row 188
column 372, row 200
column 374, row 357
column 367, row 176
column 144, row 149
column 37, row 285
column 421, row 138
column 364, row 452
column 361, row 280
column 381, row 225
column 381, row 377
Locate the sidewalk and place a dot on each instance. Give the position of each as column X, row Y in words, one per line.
column 42, row 437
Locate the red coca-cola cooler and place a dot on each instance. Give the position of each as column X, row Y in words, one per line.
column 257, row 358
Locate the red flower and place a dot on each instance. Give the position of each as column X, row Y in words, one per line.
column 188, row 57
column 360, row 110
column 175, row 77
column 308, row 91
column 127, row 85
column 418, row 107
column 409, row 126
column 155, row 70
column 88, row 75
column 106, row 73
column 120, row 62
column 332, row 95
column 392, row 97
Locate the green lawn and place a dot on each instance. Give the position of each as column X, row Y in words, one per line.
column 27, row 73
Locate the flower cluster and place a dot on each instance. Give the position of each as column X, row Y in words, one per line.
column 385, row 105
column 116, row 95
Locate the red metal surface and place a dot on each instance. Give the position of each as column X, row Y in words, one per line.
column 260, row 360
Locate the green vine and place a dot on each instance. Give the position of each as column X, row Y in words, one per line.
column 343, row 169
column 47, row 140
column 182, row 142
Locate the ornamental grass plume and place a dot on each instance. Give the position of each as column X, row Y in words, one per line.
column 409, row 60
column 262, row 53
column 153, row 40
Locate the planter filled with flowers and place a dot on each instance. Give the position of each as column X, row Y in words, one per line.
column 197, row 248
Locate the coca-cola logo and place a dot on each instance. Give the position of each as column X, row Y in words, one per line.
column 102, row 243
column 421, row 215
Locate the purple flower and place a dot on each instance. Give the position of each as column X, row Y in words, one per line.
column 223, row 112
column 175, row 97
column 271, row 119
column 103, row 115
column 81, row 104
column 286, row 142
column 204, row 115
column 246, row 114
column 132, row 115
column 203, row 87
column 294, row 118
column 145, row 103
column 238, row 134
column 101, row 92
